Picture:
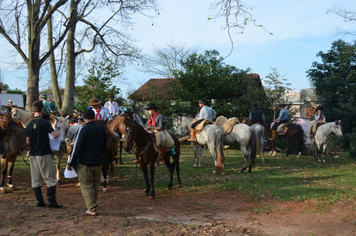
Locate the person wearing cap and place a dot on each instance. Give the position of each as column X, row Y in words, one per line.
column 10, row 103
column 282, row 118
column 46, row 105
column 88, row 154
column 206, row 112
column 101, row 113
column 319, row 115
column 256, row 115
column 112, row 105
column 41, row 162
column 157, row 122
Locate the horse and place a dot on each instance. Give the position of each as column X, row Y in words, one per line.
column 136, row 135
column 258, row 140
column 211, row 135
column 115, row 125
column 61, row 125
column 14, row 139
column 22, row 115
column 294, row 135
column 321, row 138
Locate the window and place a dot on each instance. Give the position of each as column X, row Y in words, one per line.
column 309, row 112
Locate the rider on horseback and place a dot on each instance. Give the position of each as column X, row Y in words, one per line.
column 206, row 112
column 256, row 115
column 282, row 118
column 319, row 118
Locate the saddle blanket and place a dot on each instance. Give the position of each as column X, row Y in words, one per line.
column 281, row 129
column 201, row 126
column 163, row 137
column 226, row 125
column 317, row 125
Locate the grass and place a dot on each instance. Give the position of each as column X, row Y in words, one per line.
column 283, row 178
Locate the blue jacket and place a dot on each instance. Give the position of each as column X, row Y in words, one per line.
column 283, row 114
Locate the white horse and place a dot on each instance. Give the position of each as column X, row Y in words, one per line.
column 19, row 114
column 259, row 138
column 322, row 136
column 211, row 136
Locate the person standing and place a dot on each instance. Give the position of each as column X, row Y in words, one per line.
column 101, row 113
column 206, row 112
column 88, row 153
column 46, row 105
column 41, row 162
column 112, row 105
column 282, row 118
column 256, row 115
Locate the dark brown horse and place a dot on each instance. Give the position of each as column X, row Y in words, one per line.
column 14, row 138
column 294, row 135
column 136, row 135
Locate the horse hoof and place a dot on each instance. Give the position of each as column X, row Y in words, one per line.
column 146, row 194
column 200, row 166
column 105, row 190
column 178, row 185
column 242, row 171
column 152, row 197
column 319, row 160
column 223, row 173
column 324, row 161
column 214, row 172
column 250, row 171
column 168, row 188
column 195, row 165
column 3, row 190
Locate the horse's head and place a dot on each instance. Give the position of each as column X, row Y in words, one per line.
column 129, row 131
column 15, row 114
column 184, row 124
column 337, row 128
column 61, row 125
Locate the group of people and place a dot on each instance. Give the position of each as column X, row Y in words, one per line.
column 48, row 105
column 90, row 144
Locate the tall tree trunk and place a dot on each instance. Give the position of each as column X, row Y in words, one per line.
column 54, row 76
column 68, row 98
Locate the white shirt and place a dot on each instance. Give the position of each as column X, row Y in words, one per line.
column 113, row 107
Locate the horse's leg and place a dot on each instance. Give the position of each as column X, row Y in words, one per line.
column 152, row 179
column 3, row 174
column 213, row 152
column 244, row 167
column 145, row 175
column 200, row 156
column 290, row 145
column 324, row 151
column 170, row 167
column 10, row 169
column 120, row 152
column 195, row 154
column 262, row 150
column 176, row 163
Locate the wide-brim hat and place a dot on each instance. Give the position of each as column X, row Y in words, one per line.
column 202, row 101
column 94, row 101
column 282, row 105
column 44, row 96
column 111, row 95
column 150, row 106
column 319, row 108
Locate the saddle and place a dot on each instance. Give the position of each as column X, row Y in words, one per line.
column 201, row 126
column 159, row 139
column 281, row 129
column 226, row 125
column 316, row 126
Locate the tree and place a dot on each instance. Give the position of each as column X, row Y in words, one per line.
column 348, row 15
column 166, row 60
column 99, row 83
column 16, row 26
column 275, row 87
column 334, row 80
column 207, row 76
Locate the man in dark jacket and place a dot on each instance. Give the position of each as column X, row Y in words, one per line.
column 88, row 153
column 256, row 115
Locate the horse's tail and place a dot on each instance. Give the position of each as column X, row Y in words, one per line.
column 220, row 158
column 258, row 135
column 300, row 139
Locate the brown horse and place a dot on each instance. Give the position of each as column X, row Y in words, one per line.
column 14, row 138
column 294, row 135
column 115, row 126
column 136, row 135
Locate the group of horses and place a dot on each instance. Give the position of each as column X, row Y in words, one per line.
column 251, row 140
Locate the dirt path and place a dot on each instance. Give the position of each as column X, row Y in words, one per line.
column 124, row 211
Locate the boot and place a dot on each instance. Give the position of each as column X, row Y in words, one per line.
column 161, row 155
column 51, row 196
column 274, row 134
column 39, row 197
column 173, row 152
column 192, row 135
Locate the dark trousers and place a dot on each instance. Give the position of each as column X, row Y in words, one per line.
column 276, row 124
column 196, row 123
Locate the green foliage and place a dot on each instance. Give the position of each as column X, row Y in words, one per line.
column 206, row 76
column 99, row 83
column 334, row 80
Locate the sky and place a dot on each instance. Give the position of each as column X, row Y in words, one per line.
column 300, row 30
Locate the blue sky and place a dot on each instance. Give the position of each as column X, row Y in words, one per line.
column 300, row 30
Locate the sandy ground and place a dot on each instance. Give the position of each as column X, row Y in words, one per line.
column 126, row 211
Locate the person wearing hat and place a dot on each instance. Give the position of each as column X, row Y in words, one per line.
column 46, row 105
column 206, row 112
column 282, row 118
column 41, row 162
column 319, row 115
column 101, row 113
column 112, row 105
column 157, row 122
column 88, row 154
column 256, row 115
column 10, row 103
